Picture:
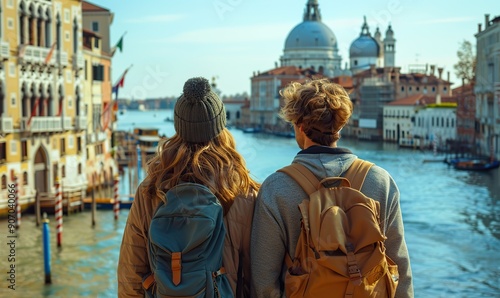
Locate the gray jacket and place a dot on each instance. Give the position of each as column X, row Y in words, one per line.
column 276, row 224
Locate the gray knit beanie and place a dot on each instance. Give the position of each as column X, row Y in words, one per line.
column 199, row 114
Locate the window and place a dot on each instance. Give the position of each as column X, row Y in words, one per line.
column 3, row 152
column 79, row 169
column 4, row 182
column 63, row 171
column 79, row 144
column 63, row 146
column 95, row 26
column 24, row 150
column 355, row 62
column 96, row 43
column 433, row 89
column 98, row 72
column 85, row 69
column 402, row 88
column 25, row 178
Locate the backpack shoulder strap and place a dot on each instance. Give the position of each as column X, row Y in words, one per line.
column 303, row 176
column 357, row 172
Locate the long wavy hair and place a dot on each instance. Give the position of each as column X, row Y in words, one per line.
column 215, row 164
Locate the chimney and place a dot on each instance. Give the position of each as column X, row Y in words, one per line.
column 396, row 74
column 275, row 64
column 448, row 76
column 440, row 72
column 388, row 73
column 486, row 21
column 426, row 68
column 373, row 71
column 479, row 28
column 433, row 67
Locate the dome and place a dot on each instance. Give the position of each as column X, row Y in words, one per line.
column 310, row 34
column 364, row 46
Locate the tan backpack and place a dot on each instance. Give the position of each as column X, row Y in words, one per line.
column 340, row 251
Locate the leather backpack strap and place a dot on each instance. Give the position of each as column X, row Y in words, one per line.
column 357, row 172
column 303, row 176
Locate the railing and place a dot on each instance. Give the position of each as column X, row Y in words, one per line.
column 81, row 122
column 4, row 50
column 41, row 124
column 38, row 55
column 6, row 125
column 66, row 123
column 78, row 61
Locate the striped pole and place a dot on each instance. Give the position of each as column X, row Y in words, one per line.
column 116, row 205
column 18, row 203
column 59, row 213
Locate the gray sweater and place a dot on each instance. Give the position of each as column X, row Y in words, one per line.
column 276, row 224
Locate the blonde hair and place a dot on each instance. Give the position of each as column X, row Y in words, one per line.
column 215, row 164
column 321, row 107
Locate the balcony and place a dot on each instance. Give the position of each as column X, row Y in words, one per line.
column 37, row 55
column 41, row 124
column 4, row 51
column 66, row 123
column 6, row 125
column 81, row 122
column 78, row 61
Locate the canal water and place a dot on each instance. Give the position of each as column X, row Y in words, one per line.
column 452, row 223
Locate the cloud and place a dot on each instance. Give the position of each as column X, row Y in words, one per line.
column 446, row 20
column 220, row 35
column 165, row 18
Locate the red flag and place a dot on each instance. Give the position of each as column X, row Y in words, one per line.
column 51, row 52
column 61, row 104
column 106, row 115
column 120, row 82
column 33, row 112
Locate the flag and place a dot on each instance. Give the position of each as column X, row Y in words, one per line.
column 106, row 115
column 120, row 82
column 51, row 52
column 119, row 45
column 33, row 112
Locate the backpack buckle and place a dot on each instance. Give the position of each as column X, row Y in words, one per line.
column 355, row 275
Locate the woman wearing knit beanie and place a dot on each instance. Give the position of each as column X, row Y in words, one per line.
column 202, row 151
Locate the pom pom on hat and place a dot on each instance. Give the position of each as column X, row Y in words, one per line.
column 199, row 114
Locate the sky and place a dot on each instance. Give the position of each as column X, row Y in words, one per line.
column 168, row 42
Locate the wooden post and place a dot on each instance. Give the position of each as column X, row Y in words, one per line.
column 93, row 210
column 37, row 208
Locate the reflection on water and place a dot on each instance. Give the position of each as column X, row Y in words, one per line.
column 452, row 224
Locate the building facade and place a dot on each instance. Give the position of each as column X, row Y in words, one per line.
column 487, row 87
column 41, row 139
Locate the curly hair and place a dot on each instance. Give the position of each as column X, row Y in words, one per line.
column 321, row 107
column 215, row 164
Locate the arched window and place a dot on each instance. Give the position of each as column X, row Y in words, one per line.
column 25, row 178
column 79, row 168
column 75, row 36
column 22, row 25
column 48, row 32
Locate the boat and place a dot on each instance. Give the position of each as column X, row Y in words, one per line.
column 474, row 164
column 147, row 139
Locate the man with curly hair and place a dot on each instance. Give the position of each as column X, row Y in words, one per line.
column 318, row 110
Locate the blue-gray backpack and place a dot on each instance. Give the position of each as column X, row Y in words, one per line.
column 186, row 240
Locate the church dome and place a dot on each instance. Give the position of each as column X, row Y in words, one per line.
column 310, row 34
column 365, row 45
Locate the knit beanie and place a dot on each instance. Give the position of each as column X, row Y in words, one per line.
column 199, row 114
